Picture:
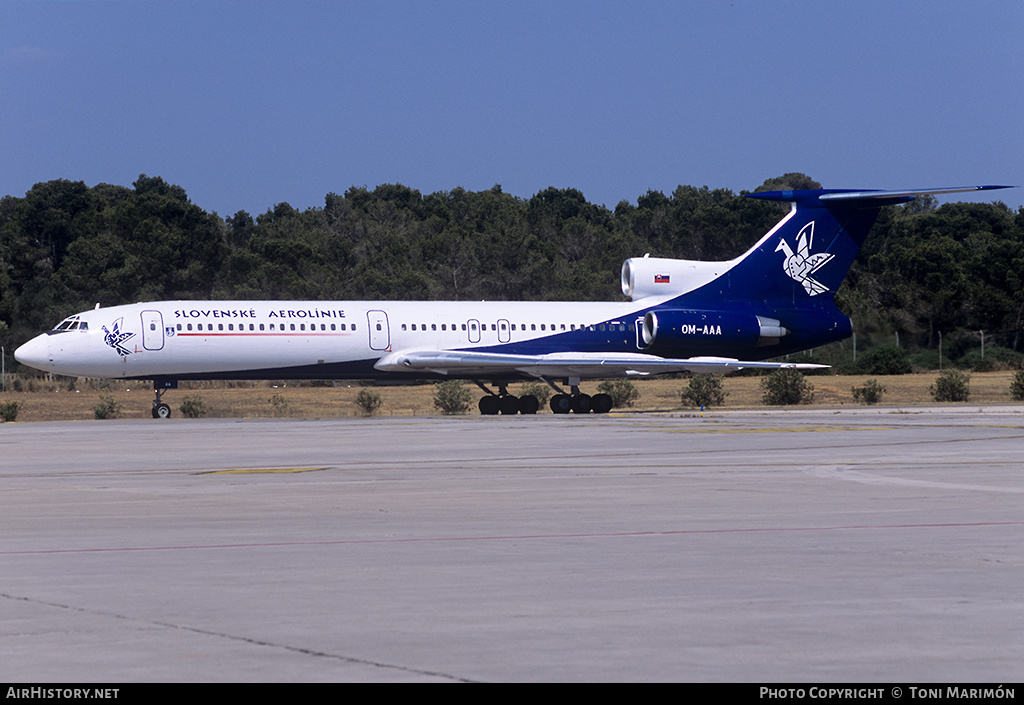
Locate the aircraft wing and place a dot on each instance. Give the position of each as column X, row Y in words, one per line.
column 574, row 364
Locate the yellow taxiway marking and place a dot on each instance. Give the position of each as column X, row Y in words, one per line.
column 258, row 471
column 769, row 429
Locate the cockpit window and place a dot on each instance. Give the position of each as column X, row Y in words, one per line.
column 71, row 323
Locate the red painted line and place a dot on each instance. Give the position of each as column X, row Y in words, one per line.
column 296, row 333
column 524, row 537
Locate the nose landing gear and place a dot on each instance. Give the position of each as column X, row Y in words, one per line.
column 161, row 410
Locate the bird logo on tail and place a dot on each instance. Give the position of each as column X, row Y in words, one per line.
column 800, row 265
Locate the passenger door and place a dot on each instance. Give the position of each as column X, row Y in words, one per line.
column 380, row 334
column 152, row 330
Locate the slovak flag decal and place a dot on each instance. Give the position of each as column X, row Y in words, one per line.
column 661, row 278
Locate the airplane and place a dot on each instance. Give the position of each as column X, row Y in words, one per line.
column 682, row 315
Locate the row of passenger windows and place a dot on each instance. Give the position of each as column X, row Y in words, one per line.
column 473, row 326
column 269, row 326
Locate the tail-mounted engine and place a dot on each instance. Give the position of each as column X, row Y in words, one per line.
column 695, row 331
column 657, row 276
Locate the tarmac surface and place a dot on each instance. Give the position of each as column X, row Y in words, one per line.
column 776, row 546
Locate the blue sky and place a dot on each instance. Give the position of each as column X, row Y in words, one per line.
column 248, row 104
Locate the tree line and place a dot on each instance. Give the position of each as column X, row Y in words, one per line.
column 64, row 246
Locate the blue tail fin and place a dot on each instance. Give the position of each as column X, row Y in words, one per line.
column 807, row 254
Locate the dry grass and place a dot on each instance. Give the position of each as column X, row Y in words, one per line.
column 265, row 400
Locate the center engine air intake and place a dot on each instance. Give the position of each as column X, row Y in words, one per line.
column 695, row 330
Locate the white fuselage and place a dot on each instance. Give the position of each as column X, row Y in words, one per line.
column 260, row 339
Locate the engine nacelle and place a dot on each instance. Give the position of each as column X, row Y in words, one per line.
column 697, row 331
column 657, row 276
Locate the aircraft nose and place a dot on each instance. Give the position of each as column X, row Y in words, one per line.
column 35, row 353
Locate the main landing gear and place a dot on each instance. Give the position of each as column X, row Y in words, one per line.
column 505, row 403
column 561, row 403
column 578, row 403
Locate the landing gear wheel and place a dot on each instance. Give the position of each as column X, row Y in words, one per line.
column 581, row 404
column 161, row 411
column 528, row 404
column 509, row 404
column 561, row 404
column 602, row 403
column 489, row 405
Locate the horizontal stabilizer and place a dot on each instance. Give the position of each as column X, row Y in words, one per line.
column 870, row 197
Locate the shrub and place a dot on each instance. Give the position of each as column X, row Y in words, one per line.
column 996, row 358
column 870, row 393
column 704, row 391
column 786, row 386
column 951, row 385
column 280, row 405
column 884, row 360
column 452, row 397
column 1017, row 386
column 536, row 389
column 369, row 403
column 9, row 410
column 193, row 407
column 622, row 391
column 108, row 408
